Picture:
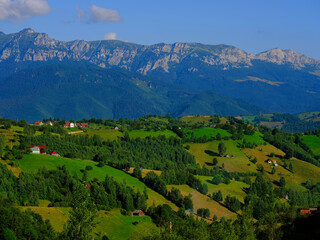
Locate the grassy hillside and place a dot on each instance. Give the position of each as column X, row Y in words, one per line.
column 106, row 134
column 202, row 201
column 209, row 132
column 313, row 142
column 205, row 152
column 114, row 224
column 144, row 133
column 234, row 188
column 32, row 162
column 302, row 171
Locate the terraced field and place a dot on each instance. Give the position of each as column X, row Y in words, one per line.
column 33, row 162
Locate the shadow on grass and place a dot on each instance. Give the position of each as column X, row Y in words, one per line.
column 211, row 153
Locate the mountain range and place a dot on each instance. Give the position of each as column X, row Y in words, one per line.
column 43, row 77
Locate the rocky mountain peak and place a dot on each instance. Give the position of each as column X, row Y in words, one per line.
column 27, row 31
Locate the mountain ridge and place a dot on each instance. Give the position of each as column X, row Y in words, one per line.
column 122, row 54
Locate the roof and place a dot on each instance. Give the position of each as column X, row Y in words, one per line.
column 53, row 152
column 40, row 147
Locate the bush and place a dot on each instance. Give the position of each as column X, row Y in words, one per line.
column 89, row 168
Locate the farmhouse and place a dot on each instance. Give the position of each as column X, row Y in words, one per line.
column 36, row 149
column 39, row 123
column 138, row 213
column 49, row 123
column 308, row 212
column 84, row 125
column 53, row 153
column 70, row 124
column 115, row 128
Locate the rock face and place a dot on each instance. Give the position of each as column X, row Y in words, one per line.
column 28, row 45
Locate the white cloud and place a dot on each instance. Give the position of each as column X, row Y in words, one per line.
column 20, row 9
column 98, row 14
column 110, row 36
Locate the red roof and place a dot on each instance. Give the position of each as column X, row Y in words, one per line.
column 53, row 152
column 37, row 146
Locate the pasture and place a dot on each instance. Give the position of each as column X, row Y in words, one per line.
column 209, row 132
column 205, row 152
column 202, row 201
column 302, row 171
column 144, row 133
column 234, row 188
column 33, row 162
column 111, row 223
column 313, row 142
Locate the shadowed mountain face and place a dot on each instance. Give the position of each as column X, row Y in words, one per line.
column 275, row 80
column 83, row 91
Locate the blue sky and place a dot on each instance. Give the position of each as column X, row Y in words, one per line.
column 251, row 25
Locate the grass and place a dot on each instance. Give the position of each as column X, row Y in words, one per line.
column 302, row 171
column 235, row 188
column 205, row 152
column 255, row 138
column 202, row 201
column 114, row 224
column 313, row 142
column 16, row 171
column 195, row 119
column 106, row 134
column 209, row 132
column 33, row 162
column 144, row 133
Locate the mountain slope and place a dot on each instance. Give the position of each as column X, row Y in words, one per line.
column 84, row 91
column 275, row 80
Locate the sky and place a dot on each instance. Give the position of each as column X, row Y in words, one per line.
column 251, row 25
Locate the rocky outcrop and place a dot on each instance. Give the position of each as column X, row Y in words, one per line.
column 28, row 45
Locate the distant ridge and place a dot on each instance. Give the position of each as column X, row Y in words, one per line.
column 275, row 80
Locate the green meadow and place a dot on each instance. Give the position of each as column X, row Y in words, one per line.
column 313, row 142
column 106, row 134
column 144, row 133
column 110, row 223
column 209, row 132
column 234, row 188
column 33, row 162
column 205, row 152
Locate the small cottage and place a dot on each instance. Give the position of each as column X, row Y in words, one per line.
column 138, row 213
column 53, row 153
column 37, row 149
column 84, row 125
column 70, row 124
column 38, row 123
column 49, row 123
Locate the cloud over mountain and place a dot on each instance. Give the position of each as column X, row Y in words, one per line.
column 98, row 14
column 110, row 36
column 20, row 9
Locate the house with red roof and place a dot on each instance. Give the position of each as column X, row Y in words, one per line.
column 70, row 124
column 53, row 153
column 84, row 125
column 138, row 213
column 39, row 123
column 36, row 149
